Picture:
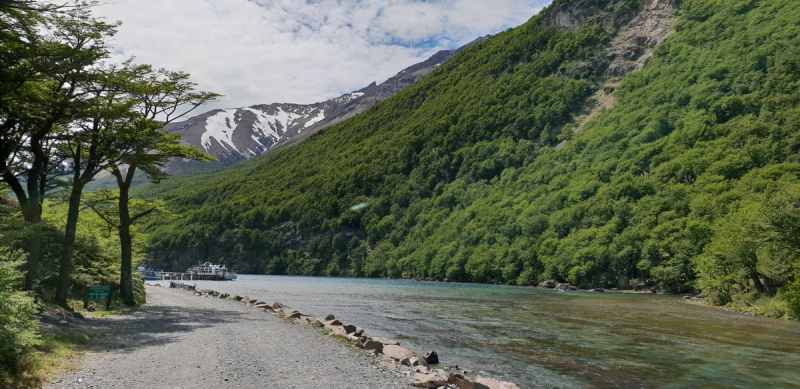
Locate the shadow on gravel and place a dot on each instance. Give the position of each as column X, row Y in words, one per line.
column 154, row 325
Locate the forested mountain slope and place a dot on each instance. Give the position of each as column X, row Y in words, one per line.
column 685, row 176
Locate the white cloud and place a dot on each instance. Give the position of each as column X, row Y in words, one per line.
column 300, row 51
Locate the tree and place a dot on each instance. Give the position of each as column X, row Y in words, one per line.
column 164, row 94
column 48, row 53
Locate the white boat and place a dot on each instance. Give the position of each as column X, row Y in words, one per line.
column 207, row 271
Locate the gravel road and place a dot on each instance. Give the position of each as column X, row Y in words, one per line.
column 179, row 340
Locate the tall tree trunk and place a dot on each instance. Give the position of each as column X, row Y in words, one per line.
column 126, row 245
column 757, row 283
column 30, row 203
column 65, row 264
column 32, row 267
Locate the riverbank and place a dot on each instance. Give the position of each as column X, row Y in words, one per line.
column 180, row 341
column 421, row 370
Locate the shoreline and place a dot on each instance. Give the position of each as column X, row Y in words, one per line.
column 179, row 341
column 421, row 371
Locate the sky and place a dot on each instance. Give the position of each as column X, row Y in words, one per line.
column 299, row 51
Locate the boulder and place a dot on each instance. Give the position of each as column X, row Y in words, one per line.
column 389, row 365
column 252, row 301
column 413, row 361
column 547, row 284
column 238, row 298
column 464, row 383
column 337, row 330
column 370, row 344
column 386, row 341
column 431, row 380
column 277, row 306
column 354, row 338
column 432, row 358
column 397, row 353
column 598, row 290
column 330, row 317
column 422, row 369
column 333, row 322
column 359, row 331
column 494, row 384
column 290, row 313
column 350, row 328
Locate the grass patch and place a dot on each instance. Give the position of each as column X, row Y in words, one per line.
column 45, row 360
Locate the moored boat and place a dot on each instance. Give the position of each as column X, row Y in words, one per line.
column 207, row 271
column 148, row 274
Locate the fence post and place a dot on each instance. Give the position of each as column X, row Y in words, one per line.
column 86, row 298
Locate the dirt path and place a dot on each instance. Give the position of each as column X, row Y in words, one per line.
column 182, row 341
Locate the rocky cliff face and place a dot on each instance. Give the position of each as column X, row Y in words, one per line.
column 238, row 134
column 640, row 26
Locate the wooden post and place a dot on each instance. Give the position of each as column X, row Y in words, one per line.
column 86, row 298
column 110, row 292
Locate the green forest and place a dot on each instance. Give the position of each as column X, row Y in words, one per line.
column 68, row 116
column 689, row 183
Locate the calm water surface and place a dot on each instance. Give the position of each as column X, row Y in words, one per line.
column 541, row 338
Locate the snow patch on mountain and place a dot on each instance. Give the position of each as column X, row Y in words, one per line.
column 220, row 127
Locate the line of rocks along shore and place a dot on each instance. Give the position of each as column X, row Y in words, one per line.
column 400, row 359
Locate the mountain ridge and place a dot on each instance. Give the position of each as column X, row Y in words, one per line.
column 237, row 134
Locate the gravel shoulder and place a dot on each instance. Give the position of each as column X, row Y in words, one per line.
column 179, row 340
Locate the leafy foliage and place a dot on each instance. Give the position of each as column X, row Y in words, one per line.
column 18, row 322
column 461, row 180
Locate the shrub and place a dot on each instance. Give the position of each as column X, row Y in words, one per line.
column 18, row 323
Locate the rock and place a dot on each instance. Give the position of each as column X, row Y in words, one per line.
column 432, row 358
column 353, row 338
column 547, row 284
column 333, row 322
column 349, row 328
column 294, row 315
column 330, row 317
column 413, row 361
column 429, row 381
column 464, row 383
column 359, row 331
column 422, row 369
column 252, row 301
column 337, row 330
column 397, row 352
column 494, row 384
column 372, row 353
column 277, row 306
column 386, row 341
column 371, row 344
column 389, row 365
column 598, row 290
column 262, row 305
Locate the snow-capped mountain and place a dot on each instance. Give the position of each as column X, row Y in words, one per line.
column 237, row 134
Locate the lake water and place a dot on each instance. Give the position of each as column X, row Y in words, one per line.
column 541, row 338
